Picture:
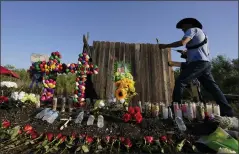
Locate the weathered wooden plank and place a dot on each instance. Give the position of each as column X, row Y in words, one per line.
column 142, row 76
column 171, row 76
column 174, row 64
column 102, row 67
column 159, row 73
column 117, row 51
column 153, row 76
column 137, row 75
column 145, row 73
column 149, row 73
column 133, row 66
column 165, row 79
column 122, row 53
column 108, row 70
column 95, row 60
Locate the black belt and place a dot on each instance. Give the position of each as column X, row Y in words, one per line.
column 198, row 45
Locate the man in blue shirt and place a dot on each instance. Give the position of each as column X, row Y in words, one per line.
column 199, row 65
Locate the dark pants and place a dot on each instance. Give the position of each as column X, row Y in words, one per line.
column 202, row 71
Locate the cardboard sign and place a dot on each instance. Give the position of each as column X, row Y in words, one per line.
column 35, row 57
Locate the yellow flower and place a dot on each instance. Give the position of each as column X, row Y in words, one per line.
column 120, row 94
column 131, row 88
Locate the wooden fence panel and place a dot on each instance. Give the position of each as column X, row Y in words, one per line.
column 153, row 77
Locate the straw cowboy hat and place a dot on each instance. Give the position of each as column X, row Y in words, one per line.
column 192, row 21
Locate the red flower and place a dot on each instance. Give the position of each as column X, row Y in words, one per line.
column 82, row 136
column 58, row 136
column 163, row 138
column 121, row 139
column 3, row 99
column 206, row 114
column 63, row 138
column 138, row 117
column 113, row 138
column 131, row 110
column 19, row 131
column 33, row 134
column 107, row 138
column 28, row 128
column 49, row 136
column 137, row 109
column 73, row 135
column 89, row 139
column 126, row 117
column 6, row 124
column 149, row 139
column 127, row 143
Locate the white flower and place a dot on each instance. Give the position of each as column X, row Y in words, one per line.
column 225, row 150
column 101, row 104
column 21, row 95
column 122, row 101
column 14, row 96
column 8, row 84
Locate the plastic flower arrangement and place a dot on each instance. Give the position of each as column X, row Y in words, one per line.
column 8, row 84
column 124, row 83
column 24, row 97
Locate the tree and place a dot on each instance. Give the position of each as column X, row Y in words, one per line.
column 10, row 67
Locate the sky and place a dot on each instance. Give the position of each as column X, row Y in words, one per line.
column 44, row 27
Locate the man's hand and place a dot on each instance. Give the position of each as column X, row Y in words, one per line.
column 162, row 46
column 182, row 51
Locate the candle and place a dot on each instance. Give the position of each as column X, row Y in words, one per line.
column 209, row 108
column 184, row 110
column 63, row 104
column 70, row 103
column 170, row 114
column 140, row 106
column 54, row 104
column 190, row 111
column 148, row 108
column 216, row 110
column 155, row 109
column 179, row 113
column 175, row 107
column 165, row 112
column 202, row 107
column 194, row 109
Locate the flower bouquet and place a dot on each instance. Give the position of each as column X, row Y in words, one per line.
column 7, row 87
column 124, row 83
